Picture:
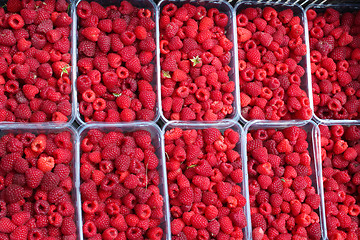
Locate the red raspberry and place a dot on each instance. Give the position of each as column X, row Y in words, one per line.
column 68, row 226
column 49, row 181
column 260, row 154
column 14, row 193
column 199, row 221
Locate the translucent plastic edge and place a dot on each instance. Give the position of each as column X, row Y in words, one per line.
column 316, row 148
column 335, row 6
column 72, row 118
column 329, row 124
column 126, row 127
column 221, row 126
column 75, row 74
column 7, row 128
column 305, row 38
column 234, row 52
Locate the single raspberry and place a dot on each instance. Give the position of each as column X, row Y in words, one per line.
column 14, row 193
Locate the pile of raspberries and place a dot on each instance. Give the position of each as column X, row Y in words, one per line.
column 335, row 68
column 116, row 48
column 195, row 63
column 34, row 61
column 120, row 186
column 35, row 186
column 284, row 202
column 204, row 173
column 271, row 49
column 340, row 151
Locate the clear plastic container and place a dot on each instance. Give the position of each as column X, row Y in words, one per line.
column 230, row 32
column 313, row 139
column 71, row 118
column 17, row 129
column 156, row 142
column 348, row 7
column 345, row 123
column 147, row 4
column 305, row 62
column 222, row 126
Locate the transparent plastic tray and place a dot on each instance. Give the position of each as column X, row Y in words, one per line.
column 223, row 7
column 16, row 129
column 346, row 7
column 148, row 4
column 222, row 126
column 329, row 124
column 305, row 62
column 72, row 117
column 313, row 139
column 156, row 142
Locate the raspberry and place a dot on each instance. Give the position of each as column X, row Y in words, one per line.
column 46, row 164
column 292, row 159
column 33, row 177
column 186, row 196
column 260, row 154
column 199, row 221
column 6, row 225
column 88, row 190
column 49, row 181
column 68, row 226
column 14, row 193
